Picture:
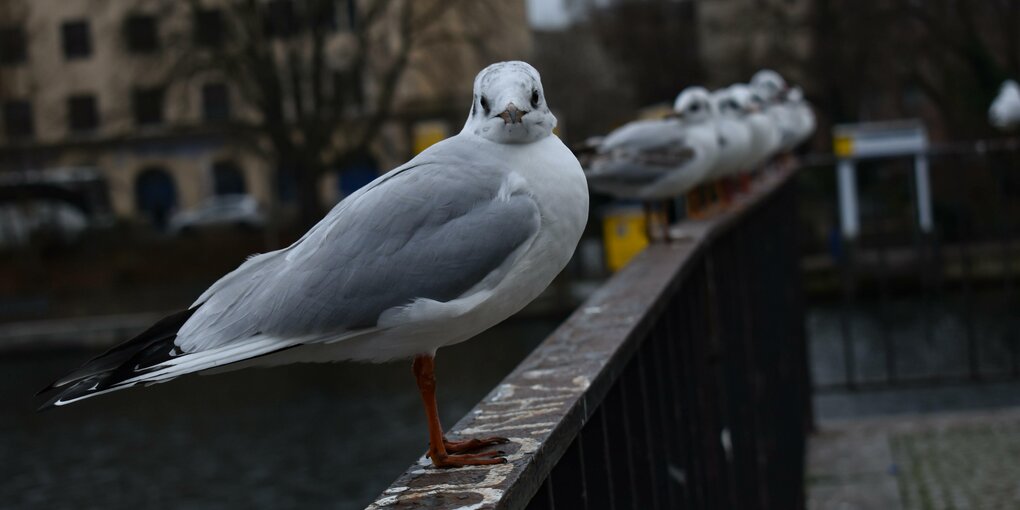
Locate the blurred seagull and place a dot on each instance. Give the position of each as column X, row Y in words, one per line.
column 772, row 88
column 428, row 255
column 662, row 158
column 1005, row 110
column 765, row 136
column 803, row 116
column 734, row 135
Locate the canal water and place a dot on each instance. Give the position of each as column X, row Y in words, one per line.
column 300, row 436
column 947, row 353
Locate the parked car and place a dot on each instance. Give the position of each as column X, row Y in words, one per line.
column 238, row 210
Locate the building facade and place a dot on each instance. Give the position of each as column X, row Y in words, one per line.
column 104, row 84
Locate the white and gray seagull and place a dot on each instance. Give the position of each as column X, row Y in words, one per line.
column 734, row 135
column 428, row 255
column 765, row 136
column 1005, row 110
column 802, row 114
column 659, row 158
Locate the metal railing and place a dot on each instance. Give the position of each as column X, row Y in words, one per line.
column 920, row 308
column 682, row 383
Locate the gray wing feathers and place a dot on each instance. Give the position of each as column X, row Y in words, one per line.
column 431, row 230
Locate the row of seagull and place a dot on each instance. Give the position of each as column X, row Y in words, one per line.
column 708, row 137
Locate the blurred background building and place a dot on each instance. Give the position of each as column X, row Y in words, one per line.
column 170, row 104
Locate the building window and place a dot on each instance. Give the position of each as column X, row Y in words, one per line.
column 18, row 119
column 155, row 195
column 227, row 179
column 141, row 33
column 148, row 106
column 83, row 114
column 209, row 27
column 77, row 40
column 215, row 102
column 12, row 45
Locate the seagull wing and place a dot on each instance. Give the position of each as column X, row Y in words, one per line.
column 432, row 229
column 639, row 154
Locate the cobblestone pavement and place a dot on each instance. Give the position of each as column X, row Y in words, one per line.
column 921, row 462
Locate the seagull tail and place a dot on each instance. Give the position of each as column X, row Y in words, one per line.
column 107, row 372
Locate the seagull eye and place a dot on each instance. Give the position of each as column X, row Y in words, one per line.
column 534, row 98
column 485, row 104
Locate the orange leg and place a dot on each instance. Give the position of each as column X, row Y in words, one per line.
column 424, row 371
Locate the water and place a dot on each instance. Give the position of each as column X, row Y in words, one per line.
column 301, row 436
column 927, row 341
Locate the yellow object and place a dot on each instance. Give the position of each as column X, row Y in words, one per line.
column 623, row 234
column 428, row 133
column 843, row 146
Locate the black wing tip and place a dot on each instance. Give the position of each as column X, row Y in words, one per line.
column 106, row 370
column 55, row 394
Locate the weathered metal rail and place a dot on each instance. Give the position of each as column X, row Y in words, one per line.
column 682, row 383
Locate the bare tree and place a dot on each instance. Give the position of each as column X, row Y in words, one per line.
column 655, row 42
column 943, row 59
column 321, row 77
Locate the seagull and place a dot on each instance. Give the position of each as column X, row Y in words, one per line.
column 765, row 136
column 734, row 135
column 803, row 116
column 428, row 255
column 772, row 88
column 1005, row 110
column 659, row 159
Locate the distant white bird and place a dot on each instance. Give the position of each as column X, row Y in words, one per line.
column 769, row 84
column 803, row 115
column 765, row 135
column 735, row 137
column 1005, row 110
column 772, row 88
column 662, row 158
column 428, row 255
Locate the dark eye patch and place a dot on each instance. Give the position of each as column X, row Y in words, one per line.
column 485, row 104
column 534, row 98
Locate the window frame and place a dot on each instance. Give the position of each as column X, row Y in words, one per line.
column 76, row 101
column 138, row 41
column 83, row 49
column 142, row 115
column 9, row 119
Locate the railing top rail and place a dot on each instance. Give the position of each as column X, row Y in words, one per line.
column 545, row 401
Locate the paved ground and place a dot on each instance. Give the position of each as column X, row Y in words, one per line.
column 920, row 462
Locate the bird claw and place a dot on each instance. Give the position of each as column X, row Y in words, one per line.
column 470, row 459
column 469, row 445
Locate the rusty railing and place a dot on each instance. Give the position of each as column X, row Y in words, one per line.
column 682, row 383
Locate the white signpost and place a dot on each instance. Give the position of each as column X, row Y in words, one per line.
column 853, row 142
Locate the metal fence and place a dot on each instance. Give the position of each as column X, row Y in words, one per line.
column 682, row 383
column 907, row 307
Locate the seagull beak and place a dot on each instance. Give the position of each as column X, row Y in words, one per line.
column 512, row 115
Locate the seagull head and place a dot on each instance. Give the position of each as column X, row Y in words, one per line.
column 795, row 95
column 745, row 98
column 726, row 105
column 769, row 84
column 693, row 105
column 509, row 105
